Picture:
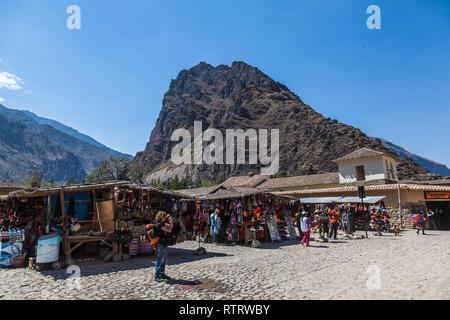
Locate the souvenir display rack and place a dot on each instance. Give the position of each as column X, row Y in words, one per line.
column 113, row 214
column 244, row 216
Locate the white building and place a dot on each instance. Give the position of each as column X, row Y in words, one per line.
column 365, row 165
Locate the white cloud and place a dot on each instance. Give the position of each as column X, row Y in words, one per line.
column 10, row 81
column 2, row 99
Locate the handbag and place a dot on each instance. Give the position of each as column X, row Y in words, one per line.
column 151, row 234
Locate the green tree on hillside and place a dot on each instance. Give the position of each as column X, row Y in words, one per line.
column 35, row 178
column 283, row 174
column 137, row 172
column 111, row 169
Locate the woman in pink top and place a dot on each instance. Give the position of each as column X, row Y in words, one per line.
column 305, row 225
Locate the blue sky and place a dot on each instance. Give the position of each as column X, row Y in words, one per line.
column 108, row 79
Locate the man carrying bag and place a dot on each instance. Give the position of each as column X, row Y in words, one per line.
column 162, row 229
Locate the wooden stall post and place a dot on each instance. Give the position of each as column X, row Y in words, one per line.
column 245, row 233
column 63, row 207
column 117, row 248
column 66, row 240
column 114, row 202
column 95, row 208
column 49, row 210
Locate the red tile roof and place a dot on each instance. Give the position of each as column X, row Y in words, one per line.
column 368, row 188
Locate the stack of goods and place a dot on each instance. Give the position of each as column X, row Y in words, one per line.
column 13, row 235
column 253, row 216
column 201, row 221
column 235, row 220
column 144, row 246
column 124, row 224
column 272, row 226
column 11, row 244
column 133, row 247
column 281, row 226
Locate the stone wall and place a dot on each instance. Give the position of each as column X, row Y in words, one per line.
column 406, row 217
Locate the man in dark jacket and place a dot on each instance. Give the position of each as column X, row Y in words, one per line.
column 163, row 227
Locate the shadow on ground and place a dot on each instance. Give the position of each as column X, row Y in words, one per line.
column 97, row 266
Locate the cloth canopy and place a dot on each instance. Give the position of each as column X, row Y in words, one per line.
column 319, row 200
column 370, row 200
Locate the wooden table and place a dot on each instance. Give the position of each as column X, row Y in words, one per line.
column 79, row 240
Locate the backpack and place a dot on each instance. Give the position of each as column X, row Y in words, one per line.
column 152, row 236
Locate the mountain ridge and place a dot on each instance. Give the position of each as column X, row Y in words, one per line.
column 242, row 96
column 21, row 150
column 69, row 147
column 74, row 133
column 433, row 166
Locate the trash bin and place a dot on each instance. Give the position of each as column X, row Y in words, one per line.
column 48, row 248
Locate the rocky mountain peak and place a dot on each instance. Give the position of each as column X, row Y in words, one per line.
column 241, row 96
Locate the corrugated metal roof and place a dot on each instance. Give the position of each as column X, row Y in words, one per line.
column 244, row 181
column 199, row 191
column 94, row 186
column 300, row 181
column 70, row 188
column 230, row 194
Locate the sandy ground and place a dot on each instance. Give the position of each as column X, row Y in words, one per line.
column 410, row 266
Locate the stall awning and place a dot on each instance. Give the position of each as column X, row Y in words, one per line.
column 370, row 200
column 319, row 200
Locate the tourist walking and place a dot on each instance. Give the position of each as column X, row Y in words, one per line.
column 306, row 224
column 334, row 224
column 234, row 228
column 345, row 222
column 351, row 222
column 432, row 218
column 216, row 224
column 163, row 226
column 419, row 220
column 324, row 224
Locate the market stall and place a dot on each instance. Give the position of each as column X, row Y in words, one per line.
column 112, row 216
column 137, row 207
column 355, row 213
column 19, row 222
column 245, row 216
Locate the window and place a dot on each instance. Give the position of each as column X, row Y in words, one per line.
column 391, row 166
column 360, row 173
column 388, row 170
